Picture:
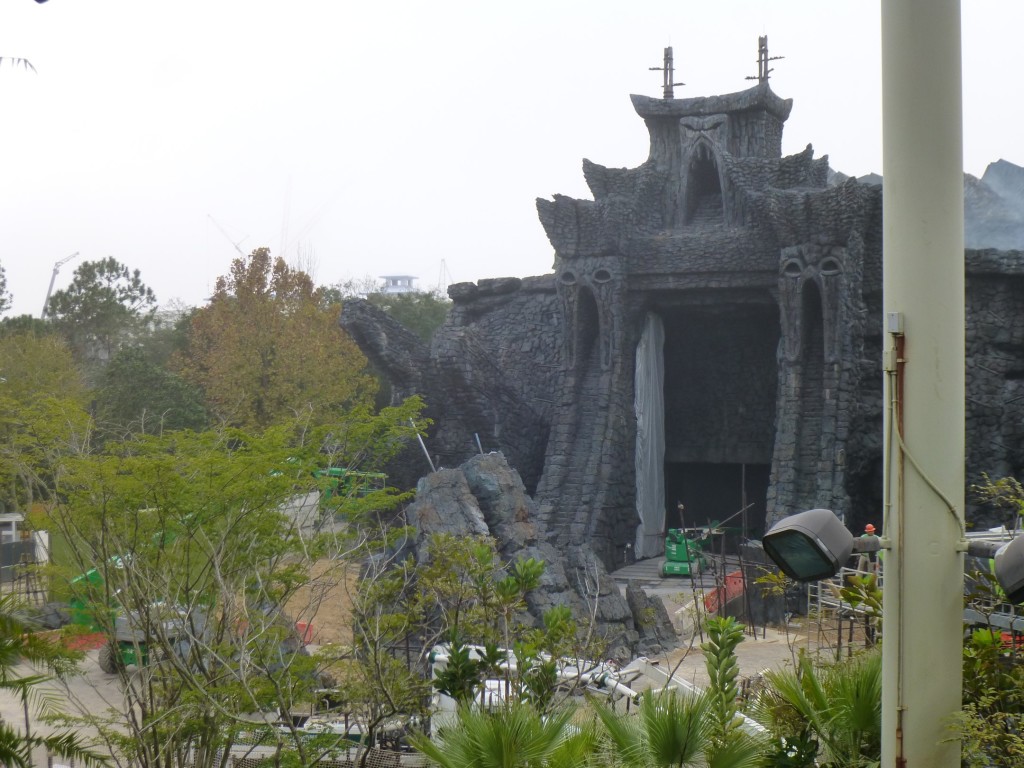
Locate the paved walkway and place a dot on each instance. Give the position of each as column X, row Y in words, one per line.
column 762, row 648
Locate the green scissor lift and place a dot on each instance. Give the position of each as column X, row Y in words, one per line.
column 684, row 552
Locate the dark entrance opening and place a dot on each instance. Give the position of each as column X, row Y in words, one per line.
column 720, row 390
column 714, row 493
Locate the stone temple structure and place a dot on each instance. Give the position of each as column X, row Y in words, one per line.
column 711, row 336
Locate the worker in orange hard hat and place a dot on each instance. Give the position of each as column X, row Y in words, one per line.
column 867, row 560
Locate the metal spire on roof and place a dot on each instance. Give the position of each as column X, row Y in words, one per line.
column 669, row 73
column 763, row 58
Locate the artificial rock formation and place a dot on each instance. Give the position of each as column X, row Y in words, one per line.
column 487, row 497
column 711, row 336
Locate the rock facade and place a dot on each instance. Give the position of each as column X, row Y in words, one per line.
column 485, row 496
column 767, row 281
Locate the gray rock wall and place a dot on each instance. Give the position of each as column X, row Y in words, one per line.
column 486, row 497
column 769, row 283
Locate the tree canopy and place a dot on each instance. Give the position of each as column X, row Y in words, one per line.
column 220, row 528
column 106, row 305
column 42, row 413
column 266, row 348
column 420, row 312
column 137, row 395
column 18, row 647
column 5, row 296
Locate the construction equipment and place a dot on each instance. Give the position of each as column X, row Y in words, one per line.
column 136, row 632
column 341, row 483
column 234, row 243
column 53, row 278
column 684, row 551
column 133, row 632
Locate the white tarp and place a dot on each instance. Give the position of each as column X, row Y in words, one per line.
column 649, row 406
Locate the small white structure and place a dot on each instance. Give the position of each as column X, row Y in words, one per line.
column 399, row 283
column 9, row 526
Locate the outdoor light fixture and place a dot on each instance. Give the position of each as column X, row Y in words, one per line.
column 1008, row 567
column 815, row 544
column 810, row 545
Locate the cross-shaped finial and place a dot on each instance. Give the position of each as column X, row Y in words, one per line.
column 762, row 61
column 669, row 73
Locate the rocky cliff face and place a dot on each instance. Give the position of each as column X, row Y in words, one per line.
column 485, row 496
column 744, row 288
column 994, row 207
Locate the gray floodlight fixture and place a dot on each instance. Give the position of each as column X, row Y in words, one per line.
column 1009, row 569
column 1007, row 564
column 810, row 545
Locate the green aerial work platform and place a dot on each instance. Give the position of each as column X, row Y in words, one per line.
column 684, row 555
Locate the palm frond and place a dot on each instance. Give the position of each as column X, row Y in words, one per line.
column 509, row 737
column 740, row 750
column 672, row 729
column 17, row 62
column 840, row 704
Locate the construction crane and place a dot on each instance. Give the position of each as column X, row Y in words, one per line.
column 225, row 233
column 444, row 279
column 53, row 278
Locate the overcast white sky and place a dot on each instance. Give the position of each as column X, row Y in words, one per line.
column 384, row 137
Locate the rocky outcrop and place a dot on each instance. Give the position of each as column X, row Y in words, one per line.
column 485, row 496
column 994, row 207
column 652, row 620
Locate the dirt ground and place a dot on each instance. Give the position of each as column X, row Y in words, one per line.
column 324, row 606
column 767, row 648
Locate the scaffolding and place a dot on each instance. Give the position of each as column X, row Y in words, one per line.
column 984, row 604
column 833, row 615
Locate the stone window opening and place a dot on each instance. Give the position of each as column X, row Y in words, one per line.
column 588, row 326
column 705, row 203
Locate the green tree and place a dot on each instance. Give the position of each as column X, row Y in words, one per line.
column 42, row 415
column 512, row 736
column 5, row 295
column 724, row 634
column 136, row 395
column 672, row 729
column 266, row 349
column 19, row 324
column 991, row 721
column 459, row 593
column 106, row 305
column 19, row 646
column 168, row 333
column 421, row 312
column 34, row 365
column 216, row 529
column 1006, row 495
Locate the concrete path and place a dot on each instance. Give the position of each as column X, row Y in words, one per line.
column 762, row 648
column 92, row 691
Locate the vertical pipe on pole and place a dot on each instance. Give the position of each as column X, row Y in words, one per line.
column 923, row 281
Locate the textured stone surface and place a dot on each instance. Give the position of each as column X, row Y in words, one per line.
column 994, row 207
column 485, row 496
column 768, row 279
column 654, row 625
